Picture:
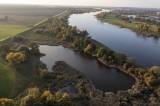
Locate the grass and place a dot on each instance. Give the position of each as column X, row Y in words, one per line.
column 7, row 30
column 121, row 23
column 7, row 80
column 131, row 25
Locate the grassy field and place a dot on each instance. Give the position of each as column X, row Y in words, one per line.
column 10, row 30
column 20, row 17
column 134, row 25
column 7, row 80
column 27, row 15
column 121, row 23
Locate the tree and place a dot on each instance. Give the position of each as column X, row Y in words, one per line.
column 83, row 33
column 100, row 52
column 7, row 102
column 158, row 29
column 145, row 27
column 34, row 49
column 89, row 49
column 17, row 57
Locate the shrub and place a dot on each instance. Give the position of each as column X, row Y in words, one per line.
column 17, row 57
column 89, row 49
column 152, row 76
column 100, row 52
column 7, row 102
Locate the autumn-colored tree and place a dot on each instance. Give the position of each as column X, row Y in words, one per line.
column 17, row 57
column 7, row 102
column 89, row 49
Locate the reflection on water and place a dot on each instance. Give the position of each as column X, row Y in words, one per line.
column 103, row 78
column 145, row 51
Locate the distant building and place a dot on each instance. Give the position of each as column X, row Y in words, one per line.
column 158, row 13
column 130, row 16
column 151, row 18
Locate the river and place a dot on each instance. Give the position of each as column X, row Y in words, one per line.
column 145, row 51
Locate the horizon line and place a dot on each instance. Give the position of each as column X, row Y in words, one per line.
column 29, row 4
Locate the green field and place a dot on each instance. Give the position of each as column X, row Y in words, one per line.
column 134, row 25
column 10, row 30
column 121, row 23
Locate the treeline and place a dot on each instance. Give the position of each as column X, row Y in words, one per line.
column 144, row 27
column 79, row 40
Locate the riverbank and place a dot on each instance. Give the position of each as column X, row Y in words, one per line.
column 148, row 30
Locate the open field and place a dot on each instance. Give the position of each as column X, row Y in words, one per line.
column 10, row 30
column 15, row 19
column 26, row 15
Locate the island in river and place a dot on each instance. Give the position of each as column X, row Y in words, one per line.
column 64, row 85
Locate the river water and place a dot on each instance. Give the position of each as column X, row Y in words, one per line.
column 145, row 51
column 103, row 78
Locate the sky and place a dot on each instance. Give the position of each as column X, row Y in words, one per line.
column 114, row 3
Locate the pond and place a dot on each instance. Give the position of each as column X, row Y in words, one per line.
column 145, row 51
column 106, row 79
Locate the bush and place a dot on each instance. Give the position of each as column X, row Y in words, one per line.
column 152, row 76
column 17, row 57
column 100, row 52
column 89, row 49
column 7, row 102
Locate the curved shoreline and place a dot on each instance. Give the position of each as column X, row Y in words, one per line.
column 141, row 33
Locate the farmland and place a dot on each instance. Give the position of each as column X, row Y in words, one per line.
column 16, row 19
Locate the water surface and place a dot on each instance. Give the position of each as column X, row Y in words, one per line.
column 145, row 51
column 103, row 78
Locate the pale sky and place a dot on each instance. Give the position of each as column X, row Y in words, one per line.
column 119, row 3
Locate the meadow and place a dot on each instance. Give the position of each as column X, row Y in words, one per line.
column 15, row 19
column 10, row 30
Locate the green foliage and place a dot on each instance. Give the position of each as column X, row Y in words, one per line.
column 34, row 49
column 119, row 58
column 7, row 80
column 100, row 52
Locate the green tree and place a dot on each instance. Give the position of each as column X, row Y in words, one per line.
column 34, row 49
